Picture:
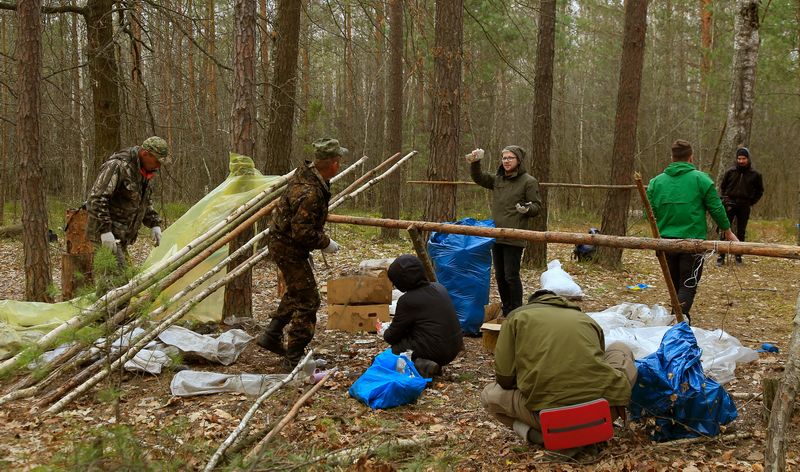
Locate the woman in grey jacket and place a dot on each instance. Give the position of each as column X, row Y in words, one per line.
column 515, row 199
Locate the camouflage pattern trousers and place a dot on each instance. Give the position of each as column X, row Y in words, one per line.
column 299, row 305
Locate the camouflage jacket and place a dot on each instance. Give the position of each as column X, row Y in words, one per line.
column 120, row 199
column 299, row 219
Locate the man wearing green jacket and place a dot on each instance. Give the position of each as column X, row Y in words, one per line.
column 680, row 197
column 515, row 199
column 550, row 354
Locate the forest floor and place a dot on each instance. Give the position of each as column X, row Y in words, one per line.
column 144, row 427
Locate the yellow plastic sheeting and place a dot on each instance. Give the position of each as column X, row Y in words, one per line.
column 23, row 322
column 243, row 183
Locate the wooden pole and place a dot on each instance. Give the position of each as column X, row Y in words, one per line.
column 422, row 252
column 541, row 184
column 662, row 259
column 625, row 242
column 782, row 406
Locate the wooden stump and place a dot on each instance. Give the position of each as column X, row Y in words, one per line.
column 76, row 264
column 769, row 387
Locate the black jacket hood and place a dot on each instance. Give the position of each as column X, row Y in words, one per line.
column 407, row 273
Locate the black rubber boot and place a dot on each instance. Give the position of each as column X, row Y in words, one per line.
column 272, row 338
column 291, row 359
column 427, row 368
column 721, row 260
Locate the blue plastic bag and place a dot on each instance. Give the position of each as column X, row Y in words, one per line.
column 381, row 386
column 464, row 266
column 673, row 388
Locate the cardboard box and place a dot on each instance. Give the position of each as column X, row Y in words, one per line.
column 360, row 290
column 356, row 318
column 490, row 332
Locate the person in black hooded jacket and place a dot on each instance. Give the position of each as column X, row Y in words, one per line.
column 741, row 188
column 425, row 319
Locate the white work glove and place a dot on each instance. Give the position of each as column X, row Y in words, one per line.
column 108, row 240
column 524, row 208
column 156, row 232
column 475, row 156
column 332, row 248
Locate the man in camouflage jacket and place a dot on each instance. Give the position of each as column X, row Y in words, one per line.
column 297, row 228
column 120, row 199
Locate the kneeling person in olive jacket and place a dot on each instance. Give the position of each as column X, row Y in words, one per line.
column 425, row 320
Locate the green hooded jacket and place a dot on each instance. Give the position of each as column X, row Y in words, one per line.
column 554, row 354
column 680, row 197
column 507, row 191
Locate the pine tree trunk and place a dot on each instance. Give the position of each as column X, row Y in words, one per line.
column 392, row 191
column 104, row 77
column 29, row 139
column 615, row 210
column 238, row 293
column 705, row 71
column 743, row 83
column 536, row 253
column 5, row 181
column 281, row 113
column 440, row 204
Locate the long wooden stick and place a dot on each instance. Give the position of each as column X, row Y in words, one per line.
column 422, row 252
column 625, row 242
column 541, row 184
column 782, row 406
column 662, row 259
column 246, row 418
column 258, row 449
column 374, row 181
column 367, row 175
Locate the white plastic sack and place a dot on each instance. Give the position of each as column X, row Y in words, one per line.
column 148, row 360
column 396, row 294
column 559, row 281
column 635, row 325
column 190, row 382
column 224, row 348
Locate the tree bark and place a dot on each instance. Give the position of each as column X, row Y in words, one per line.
column 393, row 192
column 615, row 210
column 536, row 253
column 238, row 293
column 281, row 113
column 104, row 77
column 782, row 406
column 630, row 242
column 705, row 72
column 29, row 139
column 4, row 180
column 743, row 83
column 440, row 204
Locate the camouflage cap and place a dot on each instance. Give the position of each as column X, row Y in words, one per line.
column 326, row 148
column 158, row 147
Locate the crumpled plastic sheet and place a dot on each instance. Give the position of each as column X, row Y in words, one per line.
column 187, row 383
column 224, row 348
column 641, row 328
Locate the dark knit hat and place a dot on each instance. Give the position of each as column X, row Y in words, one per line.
column 518, row 151
column 743, row 151
column 681, row 149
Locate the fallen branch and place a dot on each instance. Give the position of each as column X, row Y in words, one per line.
column 701, row 439
column 629, row 242
column 258, row 449
column 243, row 423
column 350, row 454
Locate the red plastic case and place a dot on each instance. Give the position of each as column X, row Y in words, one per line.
column 576, row 425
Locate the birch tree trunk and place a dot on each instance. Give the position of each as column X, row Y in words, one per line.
column 743, row 83
column 615, row 210
column 29, row 139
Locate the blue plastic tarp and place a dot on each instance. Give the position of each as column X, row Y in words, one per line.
column 383, row 387
column 464, row 265
column 673, row 388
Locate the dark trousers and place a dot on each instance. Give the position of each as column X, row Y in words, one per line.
column 685, row 269
column 738, row 215
column 301, row 301
column 507, row 260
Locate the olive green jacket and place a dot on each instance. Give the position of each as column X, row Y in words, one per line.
column 507, row 191
column 554, row 354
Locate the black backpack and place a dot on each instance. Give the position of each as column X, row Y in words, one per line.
column 585, row 252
